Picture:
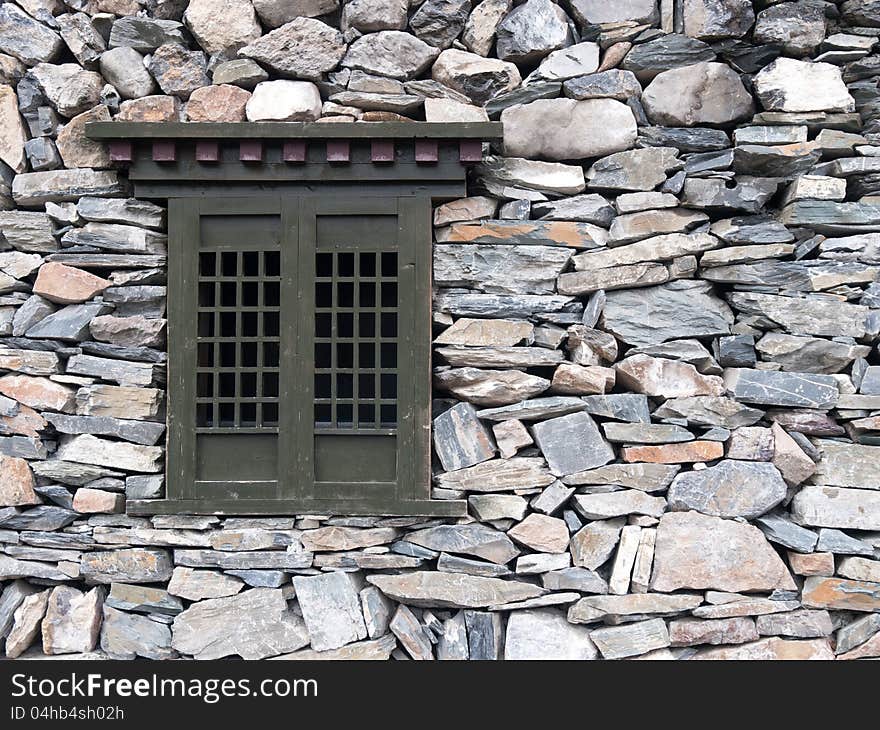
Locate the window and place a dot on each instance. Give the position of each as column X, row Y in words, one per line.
column 299, row 352
column 299, row 297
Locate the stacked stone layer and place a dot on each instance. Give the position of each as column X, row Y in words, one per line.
column 656, row 368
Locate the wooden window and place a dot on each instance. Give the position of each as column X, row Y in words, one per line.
column 299, row 355
column 299, row 308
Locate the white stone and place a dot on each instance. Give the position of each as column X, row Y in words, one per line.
column 284, row 101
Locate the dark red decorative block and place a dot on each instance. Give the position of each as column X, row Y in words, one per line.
column 470, row 150
column 426, row 150
column 250, row 151
column 207, row 151
column 164, row 152
column 294, row 151
column 338, row 150
column 382, row 150
column 121, row 151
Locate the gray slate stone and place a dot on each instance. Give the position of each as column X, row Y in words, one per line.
column 131, row 565
column 146, row 34
column 25, row 38
column 70, row 323
column 732, row 488
column 651, row 315
column 556, row 436
column 478, row 540
column 779, row 529
column 253, row 625
column 126, row 636
column 331, row 610
column 776, row 388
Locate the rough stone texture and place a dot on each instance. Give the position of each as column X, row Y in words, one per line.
column 545, row 634
column 561, row 129
column 701, row 552
column 704, row 93
column 331, row 610
column 729, row 489
column 218, row 103
column 284, row 101
column 788, row 85
column 390, row 53
column 72, row 621
column 303, row 48
column 252, row 625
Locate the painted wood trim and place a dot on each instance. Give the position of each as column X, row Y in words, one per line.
column 489, row 131
column 221, row 507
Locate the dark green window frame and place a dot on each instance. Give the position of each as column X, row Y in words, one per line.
column 299, row 308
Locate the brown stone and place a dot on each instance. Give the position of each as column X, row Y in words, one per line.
column 486, row 332
column 789, row 458
column 98, row 502
column 16, row 483
column 510, row 437
column 40, row 393
column 78, row 150
column 541, row 533
column 699, row 552
column 572, row 379
column 12, row 131
column 659, row 376
column 811, row 563
column 683, row 453
column 118, row 401
column 773, row 649
column 134, row 331
column 66, row 285
column 26, row 422
column 219, row 103
column 693, row 631
column 72, row 620
column 347, row 538
column 158, row 108
column 26, row 627
column 840, row 594
column 465, row 209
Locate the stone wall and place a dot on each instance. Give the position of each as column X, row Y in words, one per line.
column 656, row 369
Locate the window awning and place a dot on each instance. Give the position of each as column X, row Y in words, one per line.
column 183, row 159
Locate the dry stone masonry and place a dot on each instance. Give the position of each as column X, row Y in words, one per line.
column 657, row 319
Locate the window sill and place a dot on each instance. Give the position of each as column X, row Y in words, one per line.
column 406, row 508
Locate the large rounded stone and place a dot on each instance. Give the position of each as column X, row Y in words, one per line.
column 304, row 48
column 124, row 68
column 531, row 31
column 787, row 85
column 218, row 103
column 704, row 93
column 284, row 101
column 390, row 53
column 222, row 25
column 714, row 19
column 78, row 150
column 369, row 16
column 478, row 78
column 563, row 129
column 68, row 87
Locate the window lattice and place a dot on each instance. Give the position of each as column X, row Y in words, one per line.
column 356, row 339
column 239, row 295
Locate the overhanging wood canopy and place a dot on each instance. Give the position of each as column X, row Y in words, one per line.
column 184, row 159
